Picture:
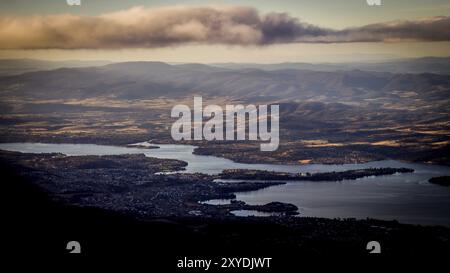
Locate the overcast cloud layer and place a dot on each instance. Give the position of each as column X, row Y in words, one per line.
column 146, row 28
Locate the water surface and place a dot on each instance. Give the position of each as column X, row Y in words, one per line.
column 405, row 197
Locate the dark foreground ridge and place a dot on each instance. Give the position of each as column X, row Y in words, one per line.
column 112, row 210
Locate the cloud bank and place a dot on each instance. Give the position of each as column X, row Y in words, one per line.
column 149, row 28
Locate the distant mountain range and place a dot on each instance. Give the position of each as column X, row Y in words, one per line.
column 435, row 65
column 146, row 80
column 19, row 66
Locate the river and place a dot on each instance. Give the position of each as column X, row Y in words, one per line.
column 408, row 197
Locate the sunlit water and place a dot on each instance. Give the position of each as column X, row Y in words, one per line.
column 408, row 198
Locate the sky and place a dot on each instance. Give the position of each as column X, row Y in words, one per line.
column 262, row 31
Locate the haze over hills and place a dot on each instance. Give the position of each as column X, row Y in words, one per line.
column 19, row 66
column 145, row 80
column 437, row 65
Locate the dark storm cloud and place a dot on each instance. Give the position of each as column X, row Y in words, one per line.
column 147, row 28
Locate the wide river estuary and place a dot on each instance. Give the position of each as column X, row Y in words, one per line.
column 408, row 198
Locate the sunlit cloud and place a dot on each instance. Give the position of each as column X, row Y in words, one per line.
column 139, row 27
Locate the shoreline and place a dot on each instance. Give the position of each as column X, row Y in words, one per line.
column 154, row 194
column 234, row 159
column 94, row 199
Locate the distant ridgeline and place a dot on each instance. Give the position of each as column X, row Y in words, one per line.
column 328, row 176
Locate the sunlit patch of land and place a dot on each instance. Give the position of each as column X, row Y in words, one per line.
column 389, row 143
column 304, row 161
column 320, row 143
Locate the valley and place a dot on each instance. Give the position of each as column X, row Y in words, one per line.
column 325, row 117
